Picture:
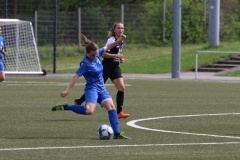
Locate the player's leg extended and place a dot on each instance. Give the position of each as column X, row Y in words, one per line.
column 80, row 109
column 91, row 101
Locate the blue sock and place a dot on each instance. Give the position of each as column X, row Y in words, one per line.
column 113, row 118
column 77, row 108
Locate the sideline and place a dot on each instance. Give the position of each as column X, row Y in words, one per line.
column 183, row 76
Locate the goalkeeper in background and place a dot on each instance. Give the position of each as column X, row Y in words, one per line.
column 2, row 53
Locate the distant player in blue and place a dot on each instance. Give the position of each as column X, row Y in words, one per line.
column 95, row 92
column 2, row 53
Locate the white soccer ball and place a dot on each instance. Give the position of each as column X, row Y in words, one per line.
column 105, row 131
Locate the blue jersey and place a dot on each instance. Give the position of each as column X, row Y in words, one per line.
column 2, row 45
column 92, row 71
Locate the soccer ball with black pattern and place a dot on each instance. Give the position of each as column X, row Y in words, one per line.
column 105, row 131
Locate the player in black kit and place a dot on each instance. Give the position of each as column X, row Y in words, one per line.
column 111, row 68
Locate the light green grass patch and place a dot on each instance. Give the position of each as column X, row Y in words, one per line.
column 144, row 59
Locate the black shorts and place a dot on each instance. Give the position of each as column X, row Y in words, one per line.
column 111, row 70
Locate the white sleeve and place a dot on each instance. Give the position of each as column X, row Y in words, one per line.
column 110, row 40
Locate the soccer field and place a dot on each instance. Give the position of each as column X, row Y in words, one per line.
column 169, row 119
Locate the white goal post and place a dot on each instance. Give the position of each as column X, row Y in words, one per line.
column 20, row 45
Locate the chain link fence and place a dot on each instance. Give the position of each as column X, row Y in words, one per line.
column 149, row 24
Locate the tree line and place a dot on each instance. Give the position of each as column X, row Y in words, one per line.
column 72, row 5
column 193, row 17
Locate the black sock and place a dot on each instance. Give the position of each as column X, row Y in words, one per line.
column 81, row 99
column 120, row 99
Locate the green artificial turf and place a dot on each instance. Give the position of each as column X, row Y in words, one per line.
column 178, row 120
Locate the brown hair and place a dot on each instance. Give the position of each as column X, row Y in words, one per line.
column 89, row 45
column 111, row 31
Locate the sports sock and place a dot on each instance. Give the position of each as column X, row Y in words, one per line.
column 81, row 99
column 112, row 115
column 77, row 108
column 119, row 99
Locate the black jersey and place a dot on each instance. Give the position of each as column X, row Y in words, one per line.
column 115, row 50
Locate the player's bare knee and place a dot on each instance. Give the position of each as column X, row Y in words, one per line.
column 89, row 112
column 112, row 107
column 121, row 89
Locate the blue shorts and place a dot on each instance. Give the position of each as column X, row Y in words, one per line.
column 92, row 95
column 1, row 66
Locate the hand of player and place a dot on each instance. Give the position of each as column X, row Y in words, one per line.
column 121, row 60
column 4, row 53
column 64, row 93
column 123, row 37
column 121, row 57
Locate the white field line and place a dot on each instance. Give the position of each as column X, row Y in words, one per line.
column 119, row 146
column 132, row 124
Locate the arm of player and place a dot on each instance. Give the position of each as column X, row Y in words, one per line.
column 111, row 45
column 70, row 86
column 108, row 55
column 3, row 51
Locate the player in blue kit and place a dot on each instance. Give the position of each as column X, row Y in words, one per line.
column 95, row 92
column 2, row 53
column 111, row 68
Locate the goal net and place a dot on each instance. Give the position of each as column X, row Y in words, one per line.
column 20, row 45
